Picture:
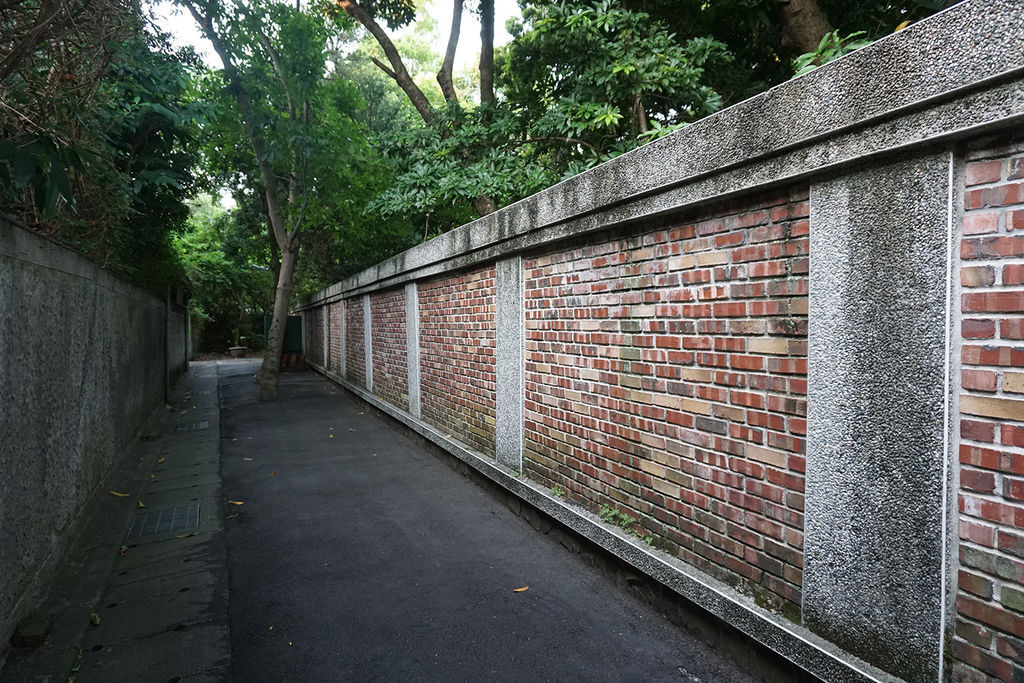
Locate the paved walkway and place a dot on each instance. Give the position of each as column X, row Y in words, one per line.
column 355, row 555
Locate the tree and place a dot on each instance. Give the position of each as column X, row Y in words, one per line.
column 399, row 13
column 765, row 36
column 274, row 63
column 577, row 85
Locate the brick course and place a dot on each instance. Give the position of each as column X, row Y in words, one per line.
column 355, row 347
column 666, row 378
column 457, row 340
column 390, row 375
column 989, row 633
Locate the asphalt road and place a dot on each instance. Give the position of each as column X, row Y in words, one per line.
column 359, row 556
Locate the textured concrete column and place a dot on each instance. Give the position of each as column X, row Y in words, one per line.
column 343, row 319
column 412, row 346
column 368, row 341
column 324, row 314
column 875, row 576
column 509, row 357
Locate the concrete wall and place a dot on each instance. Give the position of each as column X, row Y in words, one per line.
column 783, row 347
column 82, row 365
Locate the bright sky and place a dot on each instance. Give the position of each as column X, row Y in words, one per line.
column 180, row 25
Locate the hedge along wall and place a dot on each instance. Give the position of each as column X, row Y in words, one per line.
column 84, row 360
column 785, row 341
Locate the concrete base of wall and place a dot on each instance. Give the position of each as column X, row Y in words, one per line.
column 777, row 648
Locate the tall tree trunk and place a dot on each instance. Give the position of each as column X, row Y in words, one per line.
column 639, row 116
column 486, row 51
column 275, row 255
column 484, row 205
column 444, row 76
column 271, row 371
column 804, row 24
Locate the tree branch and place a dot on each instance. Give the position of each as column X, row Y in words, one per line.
column 569, row 141
column 444, row 76
column 48, row 11
column 383, row 67
column 399, row 72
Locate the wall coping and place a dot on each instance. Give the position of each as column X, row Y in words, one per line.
column 930, row 83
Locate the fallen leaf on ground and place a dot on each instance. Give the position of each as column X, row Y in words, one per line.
column 94, row 619
column 273, row 474
column 233, row 515
column 118, row 494
column 236, row 502
column 250, row 459
column 160, row 460
column 123, row 550
column 141, row 505
column 351, row 429
column 186, row 535
column 330, row 436
column 520, row 590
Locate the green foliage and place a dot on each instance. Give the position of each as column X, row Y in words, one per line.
column 627, row 523
column 579, row 85
column 226, row 266
column 96, row 148
column 588, row 70
column 831, row 47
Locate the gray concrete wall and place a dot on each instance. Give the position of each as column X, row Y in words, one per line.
column 82, row 366
column 878, row 135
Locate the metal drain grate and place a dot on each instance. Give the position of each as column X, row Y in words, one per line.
column 195, row 426
column 165, row 521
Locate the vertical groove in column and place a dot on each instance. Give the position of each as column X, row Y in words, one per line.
column 412, row 346
column 510, row 369
column 368, row 341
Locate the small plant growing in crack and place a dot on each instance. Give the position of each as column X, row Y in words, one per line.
column 558, row 491
column 627, row 523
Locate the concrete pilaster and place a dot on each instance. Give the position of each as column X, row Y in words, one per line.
column 412, row 346
column 509, row 357
column 368, row 341
column 875, row 579
column 326, row 337
column 341, row 337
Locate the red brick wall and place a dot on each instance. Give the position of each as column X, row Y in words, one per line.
column 390, row 377
column 355, row 348
column 989, row 637
column 457, row 337
column 334, row 312
column 665, row 377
